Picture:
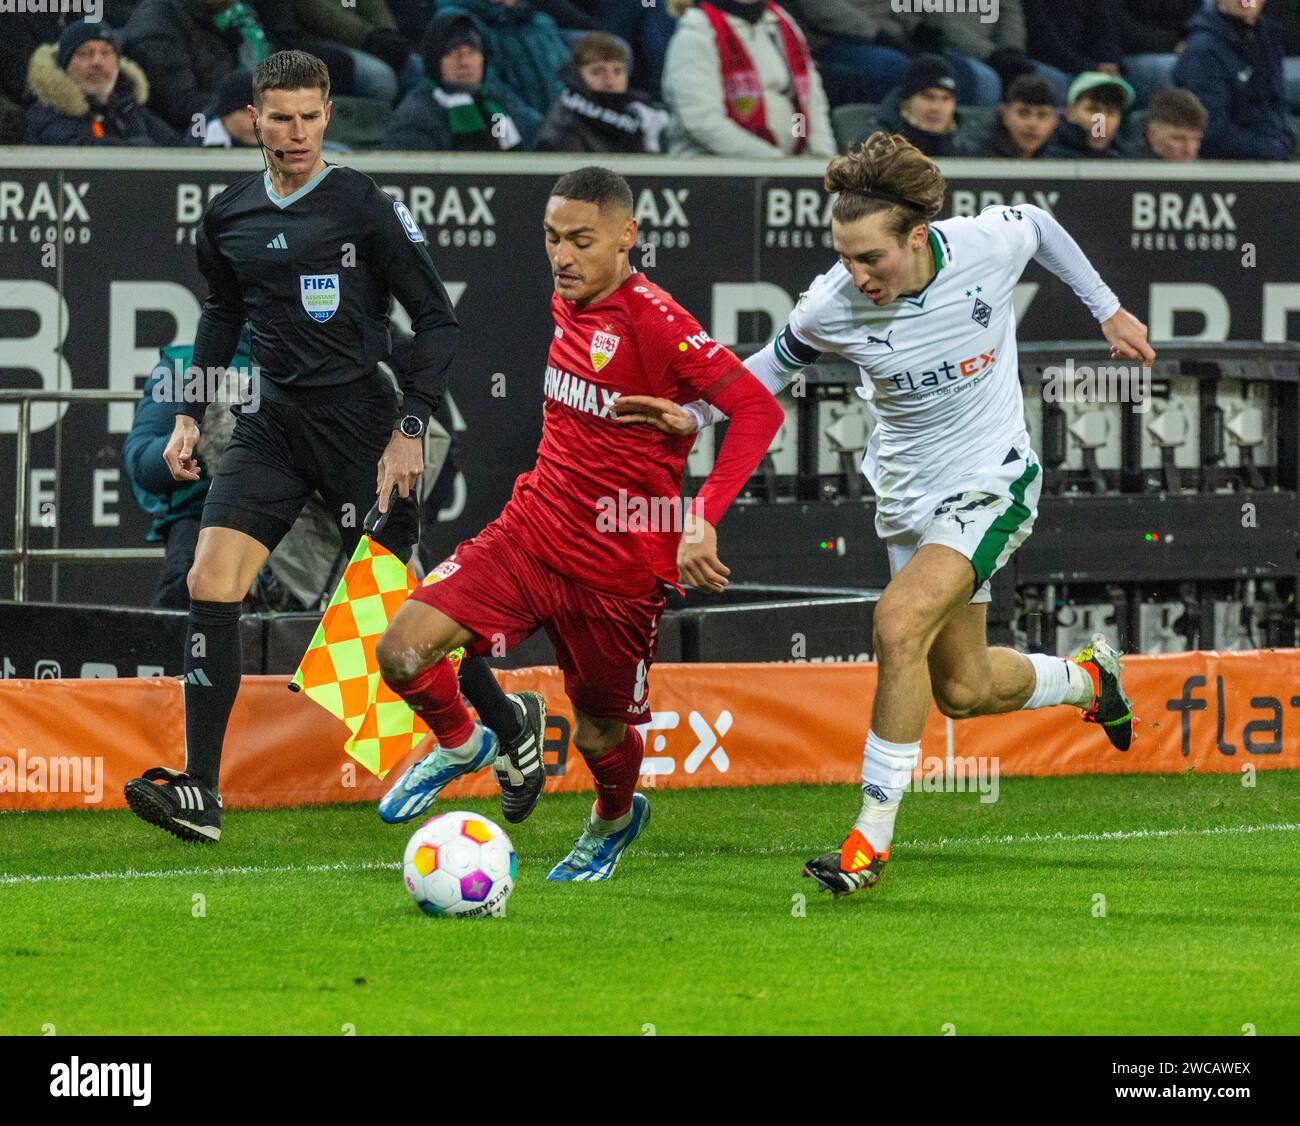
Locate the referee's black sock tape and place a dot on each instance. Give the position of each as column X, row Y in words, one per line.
column 213, row 662
column 490, row 701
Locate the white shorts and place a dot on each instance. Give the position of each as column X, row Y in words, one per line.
column 990, row 515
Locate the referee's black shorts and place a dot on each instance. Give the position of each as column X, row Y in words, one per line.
column 328, row 439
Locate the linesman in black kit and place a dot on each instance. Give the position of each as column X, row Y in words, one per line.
column 309, row 253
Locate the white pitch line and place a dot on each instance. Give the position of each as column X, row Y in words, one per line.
column 175, row 873
column 8, row 880
column 1112, row 835
column 1041, row 838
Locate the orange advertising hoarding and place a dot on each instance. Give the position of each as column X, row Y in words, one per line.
column 73, row 743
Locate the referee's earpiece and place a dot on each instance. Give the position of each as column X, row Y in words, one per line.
column 277, row 153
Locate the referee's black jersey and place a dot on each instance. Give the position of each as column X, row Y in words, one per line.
column 312, row 273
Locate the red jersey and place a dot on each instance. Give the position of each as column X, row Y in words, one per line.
column 602, row 504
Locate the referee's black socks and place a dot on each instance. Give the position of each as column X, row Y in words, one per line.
column 493, row 706
column 213, row 662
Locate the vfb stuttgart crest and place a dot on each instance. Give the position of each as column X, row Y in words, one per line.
column 603, row 347
column 743, row 93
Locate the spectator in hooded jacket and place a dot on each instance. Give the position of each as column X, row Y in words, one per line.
column 175, row 507
column 740, row 81
column 924, row 107
column 1233, row 63
column 596, row 112
column 1174, row 128
column 1097, row 103
column 84, row 93
column 296, row 571
column 456, row 109
column 1023, row 124
column 524, row 48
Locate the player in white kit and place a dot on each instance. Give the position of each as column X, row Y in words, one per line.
column 924, row 309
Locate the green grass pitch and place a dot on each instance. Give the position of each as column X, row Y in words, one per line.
column 986, row 921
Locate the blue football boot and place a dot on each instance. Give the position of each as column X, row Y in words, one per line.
column 595, row 855
column 423, row 781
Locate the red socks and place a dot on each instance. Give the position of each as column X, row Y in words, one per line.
column 616, row 773
column 434, row 695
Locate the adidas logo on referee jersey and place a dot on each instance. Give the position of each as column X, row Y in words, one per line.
column 278, row 243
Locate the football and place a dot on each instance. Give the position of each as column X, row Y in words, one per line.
column 459, row 863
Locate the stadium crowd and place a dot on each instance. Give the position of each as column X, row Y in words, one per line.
column 1147, row 79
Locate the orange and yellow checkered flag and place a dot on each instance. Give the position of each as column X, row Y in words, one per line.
column 339, row 670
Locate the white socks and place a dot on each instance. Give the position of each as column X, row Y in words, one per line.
column 466, row 750
column 876, row 821
column 886, row 771
column 1058, row 681
column 1082, row 689
column 887, row 767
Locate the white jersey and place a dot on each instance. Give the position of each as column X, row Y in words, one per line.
column 940, row 369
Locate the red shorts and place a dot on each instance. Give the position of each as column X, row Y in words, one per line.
column 604, row 644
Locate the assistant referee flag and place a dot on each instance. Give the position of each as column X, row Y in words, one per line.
column 339, row 670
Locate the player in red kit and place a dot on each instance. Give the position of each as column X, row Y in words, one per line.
column 592, row 533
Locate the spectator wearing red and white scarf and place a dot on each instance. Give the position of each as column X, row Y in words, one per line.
column 740, row 81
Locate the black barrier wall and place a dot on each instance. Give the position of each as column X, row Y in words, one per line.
column 98, row 271
column 44, row 641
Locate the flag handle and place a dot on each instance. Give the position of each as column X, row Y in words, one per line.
column 375, row 520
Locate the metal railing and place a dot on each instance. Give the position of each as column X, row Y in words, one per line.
column 21, row 553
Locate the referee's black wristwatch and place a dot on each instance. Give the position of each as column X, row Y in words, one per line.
column 410, row 425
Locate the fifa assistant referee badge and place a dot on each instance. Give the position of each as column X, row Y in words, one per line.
column 411, row 426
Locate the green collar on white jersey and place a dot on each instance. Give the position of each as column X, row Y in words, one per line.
column 937, row 248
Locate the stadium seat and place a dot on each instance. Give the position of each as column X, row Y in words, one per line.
column 358, row 122
column 852, row 122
